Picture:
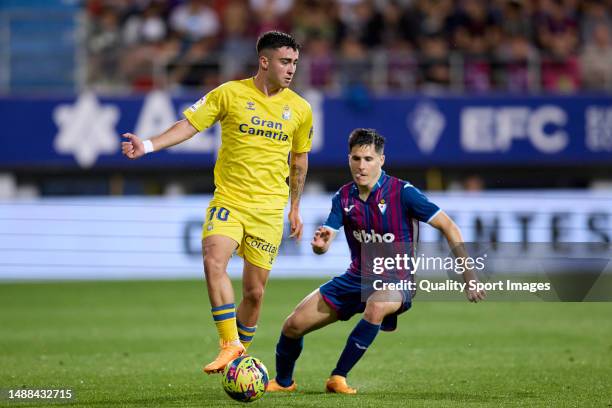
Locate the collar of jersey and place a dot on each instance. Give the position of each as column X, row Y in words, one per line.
column 251, row 83
column 379, row 183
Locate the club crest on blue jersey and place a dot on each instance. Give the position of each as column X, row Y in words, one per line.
column 382, row 206
column 250, row 105
column 286, row 112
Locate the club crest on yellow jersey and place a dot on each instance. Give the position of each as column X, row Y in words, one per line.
column 286, row 112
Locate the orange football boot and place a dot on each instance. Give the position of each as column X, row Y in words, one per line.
column 337, row 384
column 227, row 354
column 273, row 386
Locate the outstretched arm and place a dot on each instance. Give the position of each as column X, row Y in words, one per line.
column 134, row 147
column 452, row 233
column 297, row 177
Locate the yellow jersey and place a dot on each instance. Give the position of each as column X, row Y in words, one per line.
column 257, row 134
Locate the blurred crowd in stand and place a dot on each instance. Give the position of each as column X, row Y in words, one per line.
column 430, row 45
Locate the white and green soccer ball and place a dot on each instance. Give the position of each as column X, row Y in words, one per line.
column 245, row 379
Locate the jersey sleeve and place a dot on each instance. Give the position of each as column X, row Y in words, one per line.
column 207, row 110
column 419, row 206
column 334, row 219
column 302, row 140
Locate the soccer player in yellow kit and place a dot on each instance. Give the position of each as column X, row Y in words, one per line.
column 262, row 122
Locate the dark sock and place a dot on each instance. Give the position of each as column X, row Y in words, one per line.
column 358, row 342
column 287, row 352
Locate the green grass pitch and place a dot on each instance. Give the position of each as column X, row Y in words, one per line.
column 132, row 344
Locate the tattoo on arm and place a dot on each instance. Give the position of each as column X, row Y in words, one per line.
column 297, row 177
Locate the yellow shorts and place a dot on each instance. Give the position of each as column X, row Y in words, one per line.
column 257, row 231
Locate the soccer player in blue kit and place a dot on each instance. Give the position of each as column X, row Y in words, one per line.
column 374, row 207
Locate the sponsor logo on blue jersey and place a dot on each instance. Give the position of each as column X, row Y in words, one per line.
column 372, row 236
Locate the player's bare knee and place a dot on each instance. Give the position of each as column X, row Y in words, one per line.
column 213, row 265
column 253, row 295
column 375, row 312
column 291, row 327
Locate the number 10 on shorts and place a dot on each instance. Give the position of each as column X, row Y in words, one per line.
column 222, row 214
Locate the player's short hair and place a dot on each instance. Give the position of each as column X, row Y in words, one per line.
column 273, row 40
column 363, row 137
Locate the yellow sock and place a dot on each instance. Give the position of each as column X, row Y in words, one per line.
column 225, row 320
column 246, row 334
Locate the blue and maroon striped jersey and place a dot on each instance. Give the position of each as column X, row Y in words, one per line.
column 390, row 214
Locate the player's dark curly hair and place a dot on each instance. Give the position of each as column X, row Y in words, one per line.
column 362, row 137
column 273, row 40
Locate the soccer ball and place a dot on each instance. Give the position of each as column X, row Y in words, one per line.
column 245, row 379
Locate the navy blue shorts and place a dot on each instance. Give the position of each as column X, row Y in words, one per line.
column 343, row 294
